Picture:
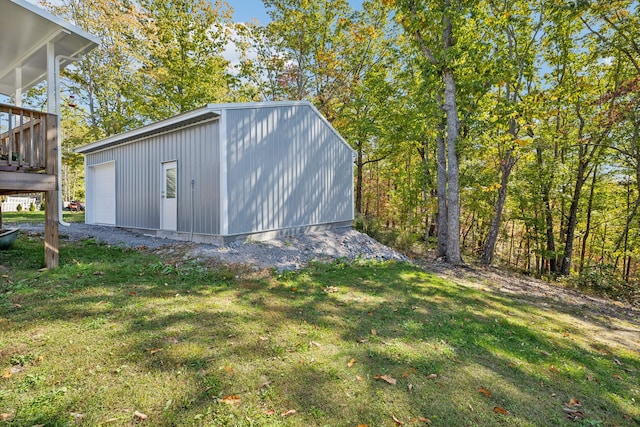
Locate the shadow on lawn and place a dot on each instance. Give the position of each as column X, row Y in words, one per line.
column 291, row 340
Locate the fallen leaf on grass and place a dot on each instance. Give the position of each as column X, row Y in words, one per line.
column 362, row 425
column 388, row 378
column 499, row 410
column 359, row 378
column 269, row 412
column 432, row 376
column 374, row 332
column 397, row 421
column 232, row 399
column 405, row 374
column 155, row 350
column 289, row 412
column 546, row 353
column 618, row 377
column 573, row 402
column 17, row 306
column 485, row 392
column 424, row 420
column 554, row 369
column 140, row 415
column 572, row 414
column 617, row 362
column 351, row 362
column 6, row 417
column 313, row 343
column 77, row 416
column 99, row 273
column 6, row 373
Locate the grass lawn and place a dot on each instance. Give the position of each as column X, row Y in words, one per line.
column 115, row 336
column 38, row 217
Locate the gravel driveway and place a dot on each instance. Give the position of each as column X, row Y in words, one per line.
column 285, row 253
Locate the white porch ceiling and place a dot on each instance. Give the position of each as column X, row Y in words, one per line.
column 25, row 32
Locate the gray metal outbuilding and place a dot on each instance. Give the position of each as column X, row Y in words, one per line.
column 223, row 172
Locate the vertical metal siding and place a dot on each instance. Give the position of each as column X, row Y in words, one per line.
column 139, row 177
column 287, row 168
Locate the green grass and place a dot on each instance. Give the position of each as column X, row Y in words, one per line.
column 38, row 217
column 115, row 331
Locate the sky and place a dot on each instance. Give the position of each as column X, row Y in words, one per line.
column 247, row 10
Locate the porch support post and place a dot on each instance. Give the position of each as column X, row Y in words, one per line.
column 17, row 96
column 52, row 91
column 51, row 210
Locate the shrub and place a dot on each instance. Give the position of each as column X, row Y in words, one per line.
column 603, row 280
column 19, row 208
column 42, row 206
column 32, row 207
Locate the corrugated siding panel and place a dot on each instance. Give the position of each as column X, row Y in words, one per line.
column 287, row 168
column 139, row 177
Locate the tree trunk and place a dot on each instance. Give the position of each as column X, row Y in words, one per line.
column 573, row 218
column 359, row 165
column 490, row 244
column 442, row 193
column 453, row 177
column 548, row 216
column 588, row 225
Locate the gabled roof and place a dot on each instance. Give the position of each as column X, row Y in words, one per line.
column 25, row 31
column 185, row 119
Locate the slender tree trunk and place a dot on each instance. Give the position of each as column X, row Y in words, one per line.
column 453, row 177
column 506, row 167
column 588, row 225
column 548, row 215
column 573, row 218
column 359, row 166
column 442, row 193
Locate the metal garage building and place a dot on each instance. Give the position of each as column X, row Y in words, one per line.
column 223, row 172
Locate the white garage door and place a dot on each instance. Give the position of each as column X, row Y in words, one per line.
column 104, row 193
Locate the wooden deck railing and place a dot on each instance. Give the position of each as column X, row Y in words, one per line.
column 23, row 135
column 29, row 163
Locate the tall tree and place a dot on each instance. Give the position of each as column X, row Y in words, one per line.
column 183, row 68
column 518, row 26
column 444, row 33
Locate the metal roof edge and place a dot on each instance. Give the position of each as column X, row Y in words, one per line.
column 210, row 110
column 148, row 130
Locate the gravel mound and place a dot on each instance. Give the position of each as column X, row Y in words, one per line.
column 285, row 253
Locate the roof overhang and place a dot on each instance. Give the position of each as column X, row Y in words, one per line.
column 186, row 119
column 179, row 121
column 26, row 34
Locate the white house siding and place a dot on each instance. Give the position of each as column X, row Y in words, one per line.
column 139, row 173
column 286, row 168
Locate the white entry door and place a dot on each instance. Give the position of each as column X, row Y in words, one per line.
column 169, row 209
column 102, row 203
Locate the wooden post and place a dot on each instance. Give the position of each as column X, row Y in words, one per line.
column 51, row 212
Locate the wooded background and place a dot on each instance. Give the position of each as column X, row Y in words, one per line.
column 501, row 130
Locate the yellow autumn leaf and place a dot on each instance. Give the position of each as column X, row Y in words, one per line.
column 232, row 399
column 351, row 362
